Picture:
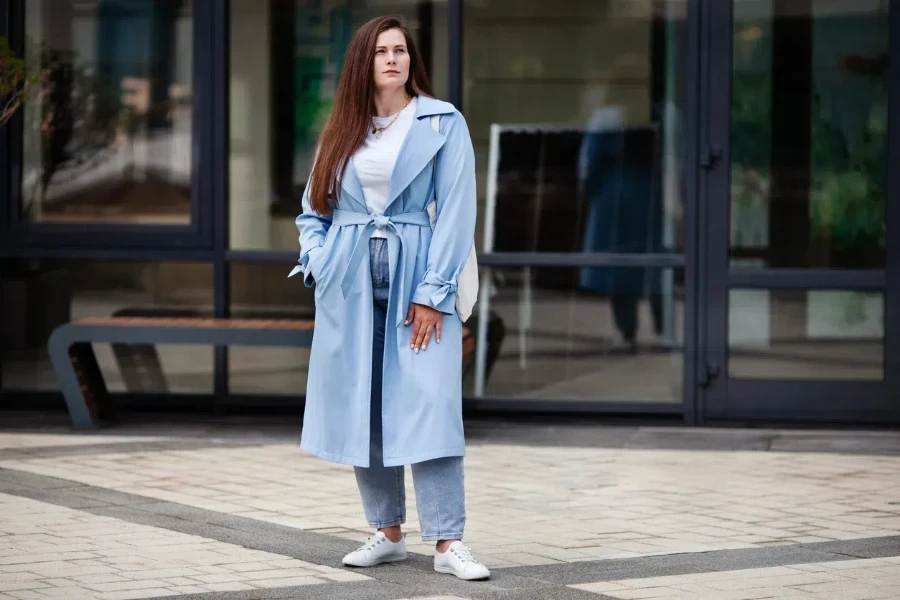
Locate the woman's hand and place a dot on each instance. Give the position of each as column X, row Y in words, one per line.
column 425, row 320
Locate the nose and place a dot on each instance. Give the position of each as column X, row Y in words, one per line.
column 392, row 58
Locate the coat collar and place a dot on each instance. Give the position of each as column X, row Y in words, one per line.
column 428, row 106
column 418, row 149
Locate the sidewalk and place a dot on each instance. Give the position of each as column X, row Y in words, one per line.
column 232, row 509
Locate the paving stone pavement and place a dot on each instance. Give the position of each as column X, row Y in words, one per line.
column 234, row 518
column 51, row 551
column 581, row 504
column 863, row 579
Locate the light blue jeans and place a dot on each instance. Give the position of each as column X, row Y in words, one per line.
column 440, row 490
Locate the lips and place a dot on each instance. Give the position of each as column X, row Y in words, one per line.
column 392, row 72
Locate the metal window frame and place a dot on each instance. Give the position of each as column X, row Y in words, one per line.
column 892, row 243
column 19, row 237
column 783, row 399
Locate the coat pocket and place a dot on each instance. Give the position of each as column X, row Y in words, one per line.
column 323, row 264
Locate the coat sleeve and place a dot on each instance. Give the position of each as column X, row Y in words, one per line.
column 454, row 229
column 312, row 227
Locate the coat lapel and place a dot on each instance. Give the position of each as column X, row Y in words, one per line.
column 421, row 144
column 350, row 185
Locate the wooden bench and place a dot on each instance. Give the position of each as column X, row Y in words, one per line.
column 80, row 378
column 81, row 381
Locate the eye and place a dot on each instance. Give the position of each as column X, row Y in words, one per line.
column 401, row 50
column 379, row 51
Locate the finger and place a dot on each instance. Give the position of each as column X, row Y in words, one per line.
column 417, row 341
column 427, row 336
column 411, row 314
column 423, row 332
column 437, row 332
column 417, row 324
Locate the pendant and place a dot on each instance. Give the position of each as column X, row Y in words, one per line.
column 378, row 134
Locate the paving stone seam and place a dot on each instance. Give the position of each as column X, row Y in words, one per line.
column 89, row 449
column 885, row 443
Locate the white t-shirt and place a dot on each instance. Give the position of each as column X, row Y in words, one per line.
column 374, row 161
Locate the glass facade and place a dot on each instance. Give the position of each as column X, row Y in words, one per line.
column 576, row 110
column 285, row 60
column 809, row 134
column 813, row 335
column 684, row 207
column 263, row 291
column 109, row 138
column 38, row 296
column 549, row 338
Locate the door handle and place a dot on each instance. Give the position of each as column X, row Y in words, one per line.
column 710, row 157
column 709, row 374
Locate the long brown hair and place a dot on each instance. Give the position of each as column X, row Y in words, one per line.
column 345, row 130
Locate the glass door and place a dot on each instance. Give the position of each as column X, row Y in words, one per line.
column 800, row 297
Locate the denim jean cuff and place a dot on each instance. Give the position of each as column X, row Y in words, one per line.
column 427, row 537
column 383, row 524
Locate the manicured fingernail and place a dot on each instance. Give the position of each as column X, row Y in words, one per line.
column 412, row 346
column 417, row 350
column 425, row 346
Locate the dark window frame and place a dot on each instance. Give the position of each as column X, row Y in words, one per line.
column 783, row 399
column 17, row 234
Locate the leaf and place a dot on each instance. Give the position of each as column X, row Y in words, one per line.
column 15, row 82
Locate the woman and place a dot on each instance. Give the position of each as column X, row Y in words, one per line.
column 380, row 395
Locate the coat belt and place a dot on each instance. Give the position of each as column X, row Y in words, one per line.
column 347, row 218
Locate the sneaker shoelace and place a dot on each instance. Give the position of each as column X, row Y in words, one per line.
column 371, row 543
column 464, row 554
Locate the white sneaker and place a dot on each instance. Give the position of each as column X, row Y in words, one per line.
column 377, row 550
column 458, row 560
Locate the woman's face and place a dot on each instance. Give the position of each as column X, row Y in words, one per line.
column 391, row 60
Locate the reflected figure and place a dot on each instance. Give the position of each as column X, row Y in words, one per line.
column 618, row 174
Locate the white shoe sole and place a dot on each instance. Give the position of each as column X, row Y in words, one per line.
column 452, row 571
column 391, row 559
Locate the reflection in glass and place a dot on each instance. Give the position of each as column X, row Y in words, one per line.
column 549, row 333
column 576, row 111
column 285, row 60
column 39, row 296
column 262, row 291
column 809, row 133
column 108, row 140
column 778, row 334
column 578, row 334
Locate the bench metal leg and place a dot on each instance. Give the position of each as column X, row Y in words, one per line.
column 90, row 379
column 80, row 380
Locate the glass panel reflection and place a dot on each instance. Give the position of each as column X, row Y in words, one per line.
column 109, row 138
column 576, row 112
column 285, row 63
column 779, row 334
column 809, row 133
column 580, row 334
column 549, row 333
column 39, row 296
column 263, row 291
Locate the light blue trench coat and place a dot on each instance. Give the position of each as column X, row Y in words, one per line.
column 422, row 393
